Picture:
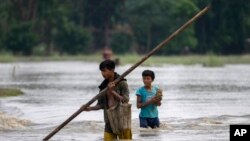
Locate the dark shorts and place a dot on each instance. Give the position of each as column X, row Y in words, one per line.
column 149, row 122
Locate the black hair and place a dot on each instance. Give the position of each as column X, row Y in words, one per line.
column 109, row 64
column 149, row 73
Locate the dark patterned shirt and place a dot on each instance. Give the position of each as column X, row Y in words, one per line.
column 121, row 88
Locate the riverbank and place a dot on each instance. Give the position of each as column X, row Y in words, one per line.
column 5, row 92
column 206, row 60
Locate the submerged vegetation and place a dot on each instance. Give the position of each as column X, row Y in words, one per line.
column 4, row 92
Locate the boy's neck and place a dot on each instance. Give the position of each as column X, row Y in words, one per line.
column 112, row 78
column 148, row 87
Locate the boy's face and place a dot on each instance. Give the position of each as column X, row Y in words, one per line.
column 147, row 80
column 106, row 73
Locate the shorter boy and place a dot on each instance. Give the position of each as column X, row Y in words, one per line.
column 148, row 98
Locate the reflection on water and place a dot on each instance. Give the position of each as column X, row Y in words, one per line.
column 199, row 103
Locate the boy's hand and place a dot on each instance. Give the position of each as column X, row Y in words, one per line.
column 111, row 86
column 158, row 103
column 87, row 109
column 155, row 99
column 122, row 99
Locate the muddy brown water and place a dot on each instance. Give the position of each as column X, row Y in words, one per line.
column 199, row 103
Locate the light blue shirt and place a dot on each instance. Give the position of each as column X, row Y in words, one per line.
column 151, row 110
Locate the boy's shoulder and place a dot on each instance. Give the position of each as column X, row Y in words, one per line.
column 123, row 83
column 140, row 88
column 156, row 87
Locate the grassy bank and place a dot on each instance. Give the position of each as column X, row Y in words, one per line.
column 10, row 92
column 5, row 58
column 206, row 60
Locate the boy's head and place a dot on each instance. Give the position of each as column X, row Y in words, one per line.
column 107, row 68
column 148, row 77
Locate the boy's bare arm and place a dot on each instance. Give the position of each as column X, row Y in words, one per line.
column 93, row 108
column 124, row 97
column 140, row 104
column 151, row 101
column 98, row 106
column 119, row 97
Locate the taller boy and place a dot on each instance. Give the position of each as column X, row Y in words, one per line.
column 115, row 94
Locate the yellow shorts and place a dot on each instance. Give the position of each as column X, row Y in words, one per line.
column 126, row 134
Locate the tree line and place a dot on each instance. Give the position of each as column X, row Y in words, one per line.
column 47, row 27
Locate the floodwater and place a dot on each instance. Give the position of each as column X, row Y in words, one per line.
column 199, row 103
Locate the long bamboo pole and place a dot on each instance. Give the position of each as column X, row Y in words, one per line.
column 162, row 44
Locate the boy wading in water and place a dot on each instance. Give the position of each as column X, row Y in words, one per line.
column 148, row 98
column 115, row 94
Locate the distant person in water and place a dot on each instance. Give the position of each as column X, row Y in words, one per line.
column 107, row 54
column 148, row 98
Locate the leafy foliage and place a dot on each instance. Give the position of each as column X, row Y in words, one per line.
column 121, row 42
column 20, row 39
column 83, row 26
column 72, row 39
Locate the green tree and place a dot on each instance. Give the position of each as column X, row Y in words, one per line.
column 100, row 17
column 72, row 39
column 121, row 42
column 50, row 18
column 223, row 29
column 153, row 21
column 4, row 15
column 20, row 39
column 17, row 20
